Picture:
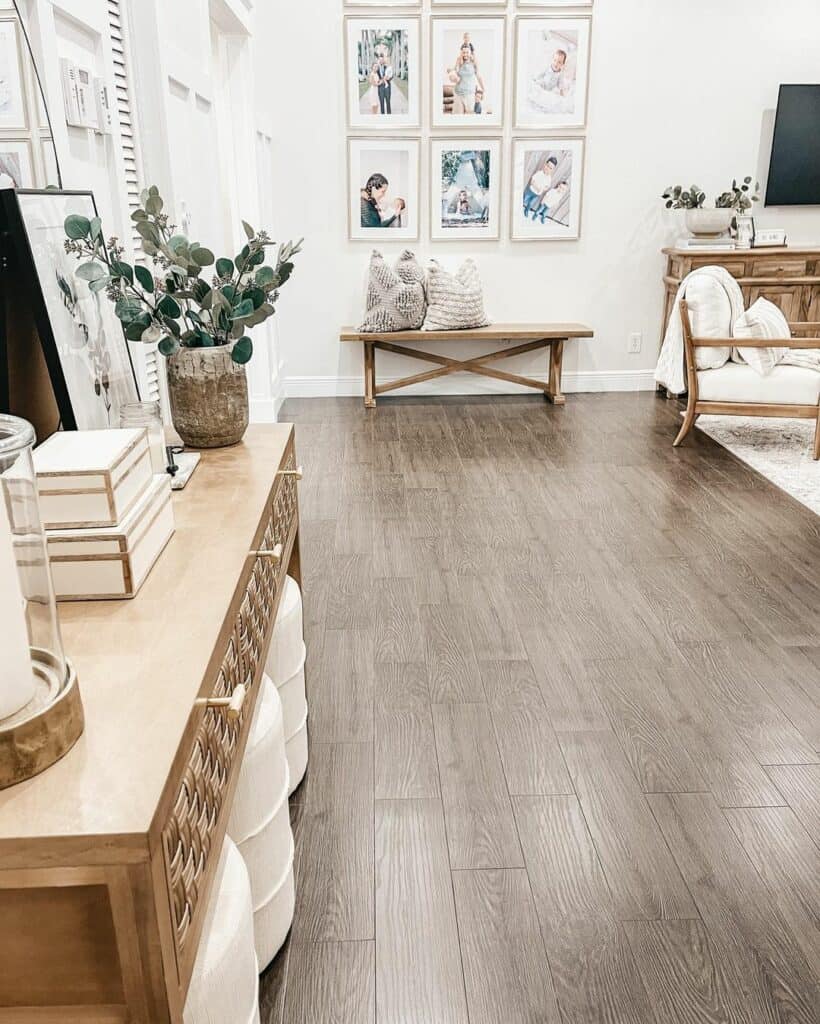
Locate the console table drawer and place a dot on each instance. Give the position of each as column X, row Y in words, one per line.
column 193, row 832
column 779, row 268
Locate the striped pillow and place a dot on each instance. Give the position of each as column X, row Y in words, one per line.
column 454, row 301
column 761, row 320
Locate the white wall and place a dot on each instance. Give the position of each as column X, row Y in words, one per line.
column 678, row 92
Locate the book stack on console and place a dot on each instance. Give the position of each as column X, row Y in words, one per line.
column 721, row 243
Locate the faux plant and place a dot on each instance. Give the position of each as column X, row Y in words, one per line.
column 678, row 198
column 739, row 197
column 175, row 305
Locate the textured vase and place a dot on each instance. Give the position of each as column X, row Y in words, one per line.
column 209, row 397
column 708, row 223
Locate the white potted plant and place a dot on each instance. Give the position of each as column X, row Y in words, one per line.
column 701, row 221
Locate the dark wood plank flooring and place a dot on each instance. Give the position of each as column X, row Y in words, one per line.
column 565, row 734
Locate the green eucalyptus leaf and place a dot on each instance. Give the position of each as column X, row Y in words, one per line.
column 264, row 275
column 171, row 326
column 146, row 229
column 77, row 227
column 90, row 271
column 127, row 308
column 139, row 215
column 178, row 243
column 123, row 270
column 154, row 205
column 237, row 330
column 99, row 283
column 248, row 230
column 149, row 247
column 202, row 257
column 96, row 227
column 242, row 350
column 256, row 295
column 200, row 290
column 169, row 307
column 153, row 191
column 145, row 277
column 167, row 346
column 284, row 272
column 224, row 266
column 134, row 328
column 243, row 309
column 175, row 268
column 229, row 292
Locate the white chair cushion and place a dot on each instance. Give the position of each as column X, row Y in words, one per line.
column 736, row 382
column 710, row 312
column 761, row 320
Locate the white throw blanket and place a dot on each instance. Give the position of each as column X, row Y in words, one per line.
column 670, row 372
column 808, row 358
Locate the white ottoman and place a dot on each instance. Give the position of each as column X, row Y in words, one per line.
column 224, row 985
column 260, row 822
column 287, row 642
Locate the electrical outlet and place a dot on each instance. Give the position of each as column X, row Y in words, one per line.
column 635, row 342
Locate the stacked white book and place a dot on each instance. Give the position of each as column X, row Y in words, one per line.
column 107, row 515
column 722, row 242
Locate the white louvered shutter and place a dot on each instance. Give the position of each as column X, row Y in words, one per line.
column 146, row 357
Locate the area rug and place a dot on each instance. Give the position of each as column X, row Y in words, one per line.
column 780, row 450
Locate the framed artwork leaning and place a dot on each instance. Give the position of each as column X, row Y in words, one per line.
column 89, row 364
column 467, row 71
column 551, row 73
column 465, row 189
column 547, row 187
column 382, row 67
column 383, row 189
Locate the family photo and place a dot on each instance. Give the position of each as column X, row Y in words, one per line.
column 468, row 70
column 468, row 183
column 382, row 69
column 383, row 187
column 547, row 185
column 552, row 60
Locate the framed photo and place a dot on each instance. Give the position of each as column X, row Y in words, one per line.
column 468, row 3
column 465, row 189
column 467, row 71
column 15, row 164
column 746, row 232
column 383, row 189
column 83, row 342
column 382, row 3
column 383, row 72
column 555, row 3
column 551, row 72
column 547, row 186
column 12, row 101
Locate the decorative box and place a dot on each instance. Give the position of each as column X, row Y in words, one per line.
column 113, row 561
column 91, row 477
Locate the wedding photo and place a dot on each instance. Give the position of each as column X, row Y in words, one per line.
column 382, row 65
column 465, row 194
column 383, row 189
column 467, row 70
column 547, row 176
column 551, row 72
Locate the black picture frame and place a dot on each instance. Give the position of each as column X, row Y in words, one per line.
column 19, row 265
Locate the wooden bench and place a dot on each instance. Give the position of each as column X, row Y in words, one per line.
column 528, row 337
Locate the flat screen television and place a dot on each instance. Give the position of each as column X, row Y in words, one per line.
column 794, row 170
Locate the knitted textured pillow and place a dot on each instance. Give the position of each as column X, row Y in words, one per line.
column 395, row 297
column 454, row 301
column 761, row 320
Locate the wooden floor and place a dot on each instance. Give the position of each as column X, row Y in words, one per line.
column 564, row 725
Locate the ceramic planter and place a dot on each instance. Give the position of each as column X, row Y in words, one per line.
column 708, row 223
column 209, row 396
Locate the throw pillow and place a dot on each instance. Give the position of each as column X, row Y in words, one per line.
column 395, row 297
column 710, row 311
column 763, row 319
column 454, row 301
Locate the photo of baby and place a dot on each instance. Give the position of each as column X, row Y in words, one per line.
column 468, row 70
column 547, row 183
column 467, row 175
column 552, row 57
column 383, row 183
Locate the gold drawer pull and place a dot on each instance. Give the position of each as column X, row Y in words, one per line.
column 274, row 554
column 297, row 473
column 232, row 704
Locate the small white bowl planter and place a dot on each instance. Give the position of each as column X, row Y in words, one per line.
column 705, row 223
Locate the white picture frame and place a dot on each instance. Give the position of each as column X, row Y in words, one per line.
column 16, row 169
column 485, row 36
column 347, row 4
column 554, row 3
column 468, row 3
column 551, row 71
column 12, row 97
column 465, row 189
column 394, row 45
column 398, row 161
column 546, row 189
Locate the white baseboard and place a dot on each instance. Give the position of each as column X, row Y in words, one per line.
column 470, row 384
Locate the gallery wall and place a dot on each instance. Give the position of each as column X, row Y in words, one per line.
column 673, row 98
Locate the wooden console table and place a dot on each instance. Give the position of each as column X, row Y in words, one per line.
column 528, row 336
column 789, row 277
column 107, row 858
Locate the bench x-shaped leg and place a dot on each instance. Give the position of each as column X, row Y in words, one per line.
column 551, row 389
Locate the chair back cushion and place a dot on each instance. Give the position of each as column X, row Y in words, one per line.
column 763, row 319
column 710, row 313
column 455, row 301
column 395, row 299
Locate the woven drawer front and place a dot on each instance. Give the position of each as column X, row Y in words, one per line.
column 189, row 833
column 285, row 502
